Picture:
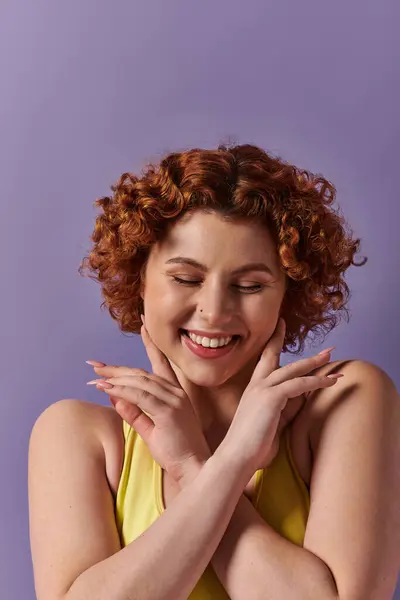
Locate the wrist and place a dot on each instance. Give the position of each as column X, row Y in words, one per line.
column 234, row 465
column 225, row 459
column 191, row 469
column 223, row 456
column 233, row 459
column 244, row 472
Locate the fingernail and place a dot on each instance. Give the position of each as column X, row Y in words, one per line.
column 100, row 383
column 335, row 375
column 326, row 350
column 95, row 363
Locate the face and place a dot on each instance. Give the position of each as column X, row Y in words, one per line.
column 220, row 279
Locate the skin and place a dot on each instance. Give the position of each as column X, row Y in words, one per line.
column 213, row 302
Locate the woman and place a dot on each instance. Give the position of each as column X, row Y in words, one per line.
column 220, row 474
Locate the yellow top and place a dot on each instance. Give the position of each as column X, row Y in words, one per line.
column 281, row 498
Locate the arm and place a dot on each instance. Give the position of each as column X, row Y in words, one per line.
column 254, row 562
column 351, row 546
column 75, row 545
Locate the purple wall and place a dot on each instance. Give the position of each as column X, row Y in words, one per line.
column 93, row 88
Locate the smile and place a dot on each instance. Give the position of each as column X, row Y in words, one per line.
column 209, row 342
column 205, row 347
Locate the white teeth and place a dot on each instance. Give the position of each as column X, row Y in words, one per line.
column 209, row 342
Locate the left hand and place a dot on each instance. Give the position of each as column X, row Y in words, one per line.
column 157, row 407
column 262, row 405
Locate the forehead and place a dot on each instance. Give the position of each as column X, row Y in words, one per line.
column 209, row 236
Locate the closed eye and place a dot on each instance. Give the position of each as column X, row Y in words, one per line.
column 243, row 288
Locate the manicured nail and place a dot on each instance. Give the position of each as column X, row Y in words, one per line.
column 95, row 363
column 105, row 385
column 100, row 383
column 326, row 350
column 335, row 375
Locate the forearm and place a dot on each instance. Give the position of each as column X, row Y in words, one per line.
column 254, row 562
column 168, row 559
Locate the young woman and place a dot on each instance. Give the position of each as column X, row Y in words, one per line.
column 220, row 474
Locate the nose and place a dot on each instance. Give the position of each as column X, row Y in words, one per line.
column 215, row 305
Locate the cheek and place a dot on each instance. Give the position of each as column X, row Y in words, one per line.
column 262, row 325
column 162, row 309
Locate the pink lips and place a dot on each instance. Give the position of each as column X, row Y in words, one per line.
column 203, row 352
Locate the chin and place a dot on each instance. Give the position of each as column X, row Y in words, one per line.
column 206, row 376
column 208, row 380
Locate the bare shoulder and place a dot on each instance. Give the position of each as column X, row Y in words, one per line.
column 101, row 425
column 353, row 524
column 95, row 417
column 74, row 449
column 358, row 375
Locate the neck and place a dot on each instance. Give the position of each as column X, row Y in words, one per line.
column 215, row 407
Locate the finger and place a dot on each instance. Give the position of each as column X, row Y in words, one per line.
column 300, row 385
column 144, row 392
column 269, row 360
column 113, row 371
column 298, row 368
column 158, row 360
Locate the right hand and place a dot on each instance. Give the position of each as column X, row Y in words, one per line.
column 156, row 406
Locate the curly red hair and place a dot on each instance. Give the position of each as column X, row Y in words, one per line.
column 235, row 181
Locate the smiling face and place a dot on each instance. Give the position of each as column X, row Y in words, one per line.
column 217, row 278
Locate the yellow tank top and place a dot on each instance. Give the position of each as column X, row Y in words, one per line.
column 281, row 498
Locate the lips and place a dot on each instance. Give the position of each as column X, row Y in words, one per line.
column 204, row 352
column 207, row 334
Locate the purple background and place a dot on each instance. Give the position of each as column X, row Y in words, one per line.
column 93, row 88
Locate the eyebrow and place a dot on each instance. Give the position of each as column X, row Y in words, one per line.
column 182, row 260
